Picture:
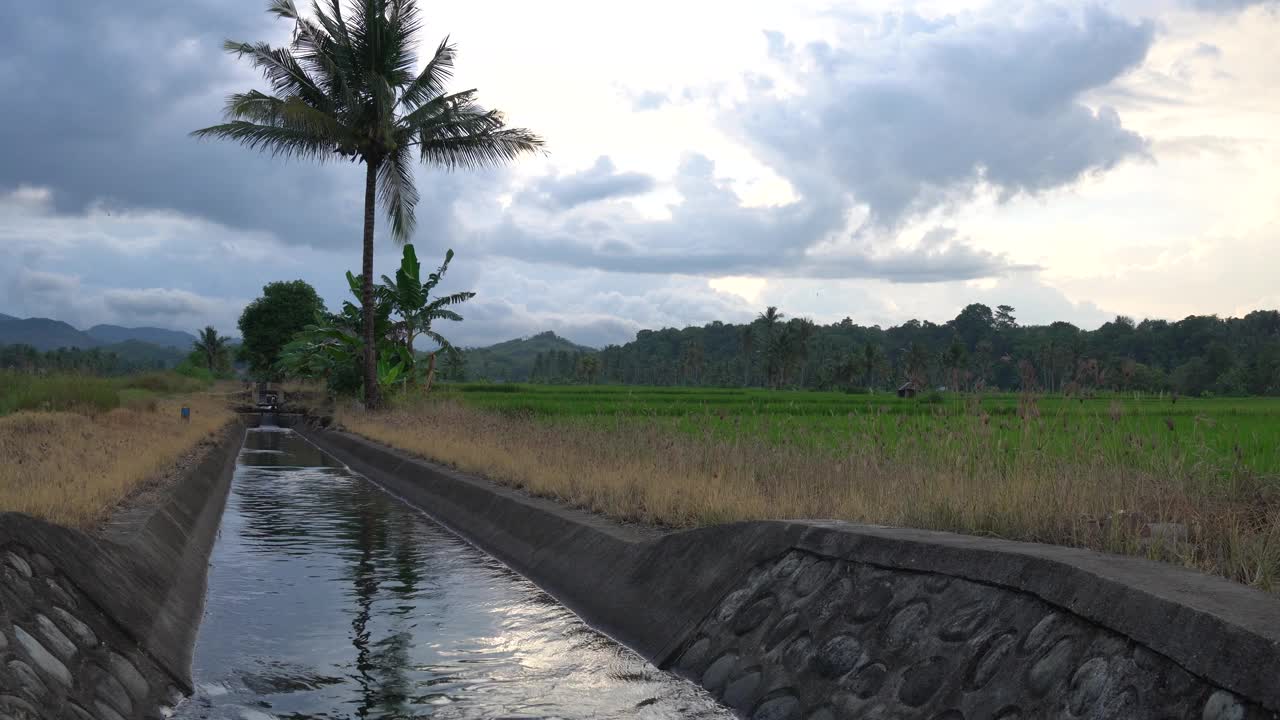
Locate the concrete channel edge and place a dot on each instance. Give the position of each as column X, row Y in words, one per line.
column 823, row 620
column 92, row 627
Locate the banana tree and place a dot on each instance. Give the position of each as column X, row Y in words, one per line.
column 410, row 298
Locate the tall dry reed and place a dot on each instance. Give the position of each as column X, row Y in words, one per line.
column 955, row 479
column 71, row 468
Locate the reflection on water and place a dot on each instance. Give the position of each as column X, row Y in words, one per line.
column 330, row 599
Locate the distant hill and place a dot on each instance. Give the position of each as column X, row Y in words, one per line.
column 45, row 334
column 107, row 334
column 512, row 361
column 42, row 334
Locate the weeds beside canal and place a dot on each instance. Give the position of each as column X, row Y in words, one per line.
column 1044, row 472
column 77, row 446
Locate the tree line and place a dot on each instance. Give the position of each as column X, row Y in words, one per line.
column 94, row 361
column 981, row 348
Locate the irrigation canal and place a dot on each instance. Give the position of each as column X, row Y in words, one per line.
column 328, row 598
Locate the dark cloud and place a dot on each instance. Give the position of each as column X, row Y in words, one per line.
column 155, row 302
column 100, row 98
column 601, row 181
column 711, row 233
column 1227, row 6
column 923, row 115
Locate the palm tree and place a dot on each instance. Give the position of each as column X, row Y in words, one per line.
column 212, row 346
column 345, row 87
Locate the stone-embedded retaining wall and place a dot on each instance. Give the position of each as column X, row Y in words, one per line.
column 97, row 628
column 822, row 620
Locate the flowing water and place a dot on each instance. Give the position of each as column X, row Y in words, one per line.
column 329, row 598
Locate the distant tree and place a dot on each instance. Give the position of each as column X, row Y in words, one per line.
column 1004, row 318
column 872, row 363
column 746, row 342
column 916, row 363
column 953, row 360
column 271, row 321
column 346, row 88
column 212, row 348
column 589, row 367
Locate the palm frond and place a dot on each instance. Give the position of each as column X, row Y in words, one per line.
column 431, row 82
column 484, row 149
column 276, row 140
column 281, row 68
column 396, row 191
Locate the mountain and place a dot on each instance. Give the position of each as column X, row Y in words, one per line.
column 42, row 333
column 107, row 334
column 513, row 360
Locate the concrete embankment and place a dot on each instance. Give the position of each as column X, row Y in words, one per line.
column 821, row 620
column 102, row 628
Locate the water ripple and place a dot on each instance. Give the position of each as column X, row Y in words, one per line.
column 330, row 599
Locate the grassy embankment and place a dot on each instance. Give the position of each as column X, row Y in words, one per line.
column 72, row 447
column 1089, row 473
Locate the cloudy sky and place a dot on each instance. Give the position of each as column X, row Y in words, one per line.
column 877, row 160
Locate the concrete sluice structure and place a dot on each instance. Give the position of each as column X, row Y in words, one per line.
column 779, row 620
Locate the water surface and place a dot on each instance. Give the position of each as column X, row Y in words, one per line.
column 329, row 598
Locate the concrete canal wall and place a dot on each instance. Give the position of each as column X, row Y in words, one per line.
column 102, row 628
column 818, row 620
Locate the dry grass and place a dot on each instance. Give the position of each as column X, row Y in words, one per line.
column 639, row 471
column 71, row 469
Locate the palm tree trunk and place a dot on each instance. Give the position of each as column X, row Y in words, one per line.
column 366, row 290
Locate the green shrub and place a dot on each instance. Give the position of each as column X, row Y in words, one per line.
column 933, row 397
column 169, row 382
column 84, row 393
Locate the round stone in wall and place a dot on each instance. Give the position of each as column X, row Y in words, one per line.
column 753, row 615
column 866, row 683
column 732, row 603
column 718, row 673
column 966, row 622
column 1222, row 705
column 1051, row 667
column 1043, row 631
column 18, row 563
column 41, row 564
column 1087, row 684
column 128, row 675
column 54, row 638
column 786, row 566
column 742, row 692
column 837, row 656
column 42, row 658
column 906, row 624
column 922, row 681
column 988, row 659
column 796, row 656
column 812, row 577
column 785, row 707
column 28, row 681
column 781, row 630
column 82, row 633
column 695, row 656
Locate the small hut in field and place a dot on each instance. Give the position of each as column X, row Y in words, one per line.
column 908, row 390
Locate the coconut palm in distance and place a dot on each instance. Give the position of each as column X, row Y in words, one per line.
column 212, row 346
column 346, row 87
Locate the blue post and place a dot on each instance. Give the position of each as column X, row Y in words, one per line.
column 186, row 413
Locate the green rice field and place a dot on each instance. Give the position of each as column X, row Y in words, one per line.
column 1217, row 439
